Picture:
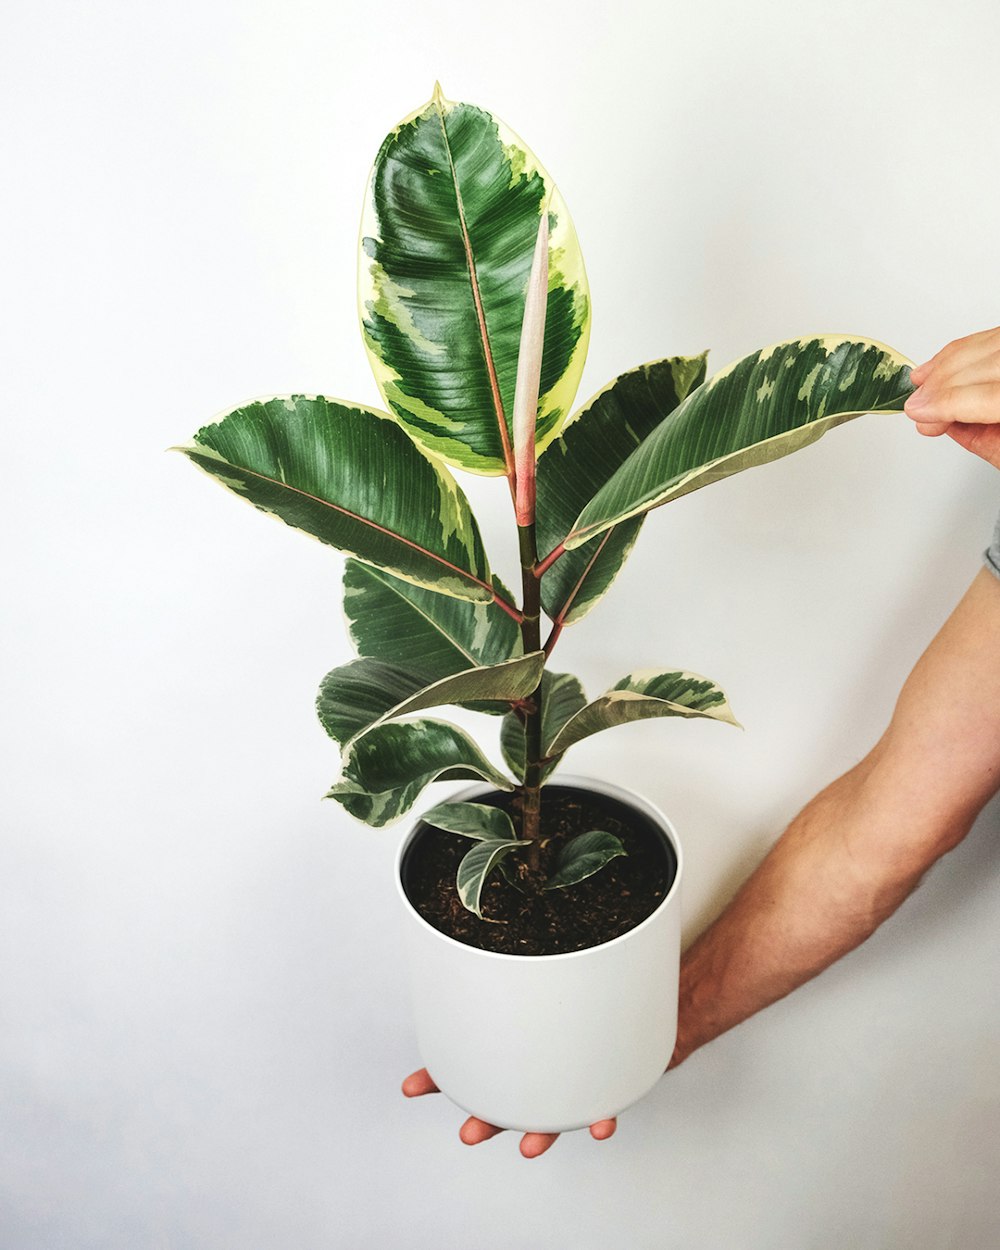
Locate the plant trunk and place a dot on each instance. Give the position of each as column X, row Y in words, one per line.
column 531, row 638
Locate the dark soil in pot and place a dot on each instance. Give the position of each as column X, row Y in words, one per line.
column 615, row 899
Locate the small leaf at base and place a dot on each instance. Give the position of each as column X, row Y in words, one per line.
column 582, row 856
column 477, row 866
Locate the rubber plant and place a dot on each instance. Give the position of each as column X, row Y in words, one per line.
column 475, row 316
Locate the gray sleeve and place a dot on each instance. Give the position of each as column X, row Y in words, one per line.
column 991, row 556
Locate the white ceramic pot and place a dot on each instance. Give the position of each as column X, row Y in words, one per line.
column 547, row 1043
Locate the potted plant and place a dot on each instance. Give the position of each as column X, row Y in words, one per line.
column 530, row 918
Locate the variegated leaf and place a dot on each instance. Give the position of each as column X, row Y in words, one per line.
column 758, row 409
column 562, row 696
column 582, row 856
column 366, row 693
column 357, row 694
column 472, row 820
column 595, row 442
column 433, row 634
column 449, row 226
column 352, row 478
column 476, row 866
column 643, row 695
column 385, row 770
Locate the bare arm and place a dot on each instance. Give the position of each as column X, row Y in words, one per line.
column 860, row 847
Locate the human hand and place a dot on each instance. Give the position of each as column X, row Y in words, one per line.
column 474, row 1130
column 959, row 394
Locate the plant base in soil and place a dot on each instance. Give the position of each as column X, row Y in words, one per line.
column 615, row 899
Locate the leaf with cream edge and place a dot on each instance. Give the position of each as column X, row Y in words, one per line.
column 352, row 478
column 433, row 634
column 385, row 771
column 643, row 695
column 582, row 856
column 758, row 409
column 476, row 866
column 472, row 820
column 356, row 698
column 562, row 697
column 447, row 235
column 596, row 441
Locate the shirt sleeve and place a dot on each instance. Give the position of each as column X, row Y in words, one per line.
column 991, row 556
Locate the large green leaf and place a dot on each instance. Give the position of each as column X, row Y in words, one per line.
column 385, row 770
column 595, row 442
column 450, row 220
column 359, row 696
column 760, row 408
column 429, row 633
column 352, row 478
column 640, row 696
column 562, row 697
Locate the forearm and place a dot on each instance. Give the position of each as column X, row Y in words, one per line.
column 860, row 847
column 821, row 891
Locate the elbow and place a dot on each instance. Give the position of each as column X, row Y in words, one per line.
column 920, row 805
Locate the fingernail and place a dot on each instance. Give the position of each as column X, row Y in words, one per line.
column 917, row 400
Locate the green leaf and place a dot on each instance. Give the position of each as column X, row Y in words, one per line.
column 582, row 856
column 358, row 694
column 385, row 770
column 356, row 697
column 352, row 478
column 447, row 236
column 595, row 442
column 476, row 866
column 430, row 633
column 562, row 696
column 472, row 820
column 643, row 695
column 770, row 403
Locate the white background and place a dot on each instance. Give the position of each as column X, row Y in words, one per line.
column 203, row 1020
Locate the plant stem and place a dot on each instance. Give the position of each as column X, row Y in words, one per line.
column 549, row 560
column 531, row 638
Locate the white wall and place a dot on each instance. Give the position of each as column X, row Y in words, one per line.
column 202, row 1013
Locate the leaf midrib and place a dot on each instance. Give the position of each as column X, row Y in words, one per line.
column 429, row 619
column 470, row 261
column 356, row 516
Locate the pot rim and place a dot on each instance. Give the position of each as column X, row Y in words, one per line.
column 584, row 783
